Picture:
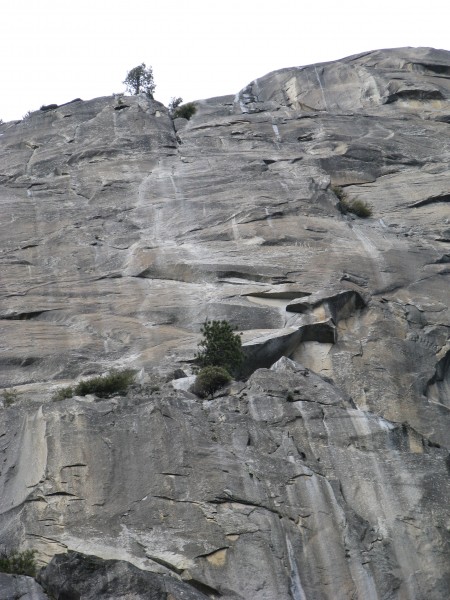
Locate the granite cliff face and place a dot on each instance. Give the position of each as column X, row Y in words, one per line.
column 323, row 475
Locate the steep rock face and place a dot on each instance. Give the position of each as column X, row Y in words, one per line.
column 280, row 487
column 324, row 477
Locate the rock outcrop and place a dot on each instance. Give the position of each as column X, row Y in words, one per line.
column 20, row 587
column 323, row 475
column 75, row 575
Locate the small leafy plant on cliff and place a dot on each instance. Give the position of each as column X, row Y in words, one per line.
column 185, row 111
column 63, row 394
column 358, row 207
column 10, row 396
column 209, row 380
column 18, row 563
column 117, row 382
column 174, row 104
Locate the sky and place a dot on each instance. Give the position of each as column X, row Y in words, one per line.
column 52, row 51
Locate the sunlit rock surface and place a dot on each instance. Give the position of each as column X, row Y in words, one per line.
column 325, row 474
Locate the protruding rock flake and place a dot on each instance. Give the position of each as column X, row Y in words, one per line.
column 321, row 471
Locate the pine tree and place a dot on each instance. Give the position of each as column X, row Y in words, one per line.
column 220, row 346
column 140, row 79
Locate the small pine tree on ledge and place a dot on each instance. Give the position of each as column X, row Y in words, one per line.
column 220, row 347
column 140, row 79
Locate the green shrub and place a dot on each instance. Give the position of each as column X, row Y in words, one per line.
column 10, row 396
column 116, row 382
column 209, row 380
column 358, row 207
column 338, row 191
column 62, row 394
column 174, row 104
column 18, row 563
column 185, row 111
column 220, row 347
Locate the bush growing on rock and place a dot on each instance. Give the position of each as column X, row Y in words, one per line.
column 209, row 380
column 358, row 207
column 63, row 394
column 173, row 105
column 18, row 563
column 185, row 111
column 117, row 382
column 220, row 347
column 10, row 396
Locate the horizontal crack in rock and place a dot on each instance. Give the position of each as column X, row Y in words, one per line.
column 430, row 200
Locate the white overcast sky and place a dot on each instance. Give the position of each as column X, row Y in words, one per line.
column 52, row 51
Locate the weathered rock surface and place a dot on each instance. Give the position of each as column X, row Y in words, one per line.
column 75, row 575
column 320, row 477
column 20, row 587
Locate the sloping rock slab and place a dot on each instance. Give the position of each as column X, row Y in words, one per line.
column 76, row 576
column 20, row 587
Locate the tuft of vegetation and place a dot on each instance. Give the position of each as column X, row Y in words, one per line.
column 117, row 382
column 358, row 207
column 209, row 380
column 339, row 192
column 140, row 79
column 185, row 111
column 63, row 394
column 18, row 563
column 220, row 347
column 174, row 104
column 10, row 396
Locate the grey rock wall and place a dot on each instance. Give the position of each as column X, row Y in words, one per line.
column 325, row 474
column 74, row 575
column 20, row 587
